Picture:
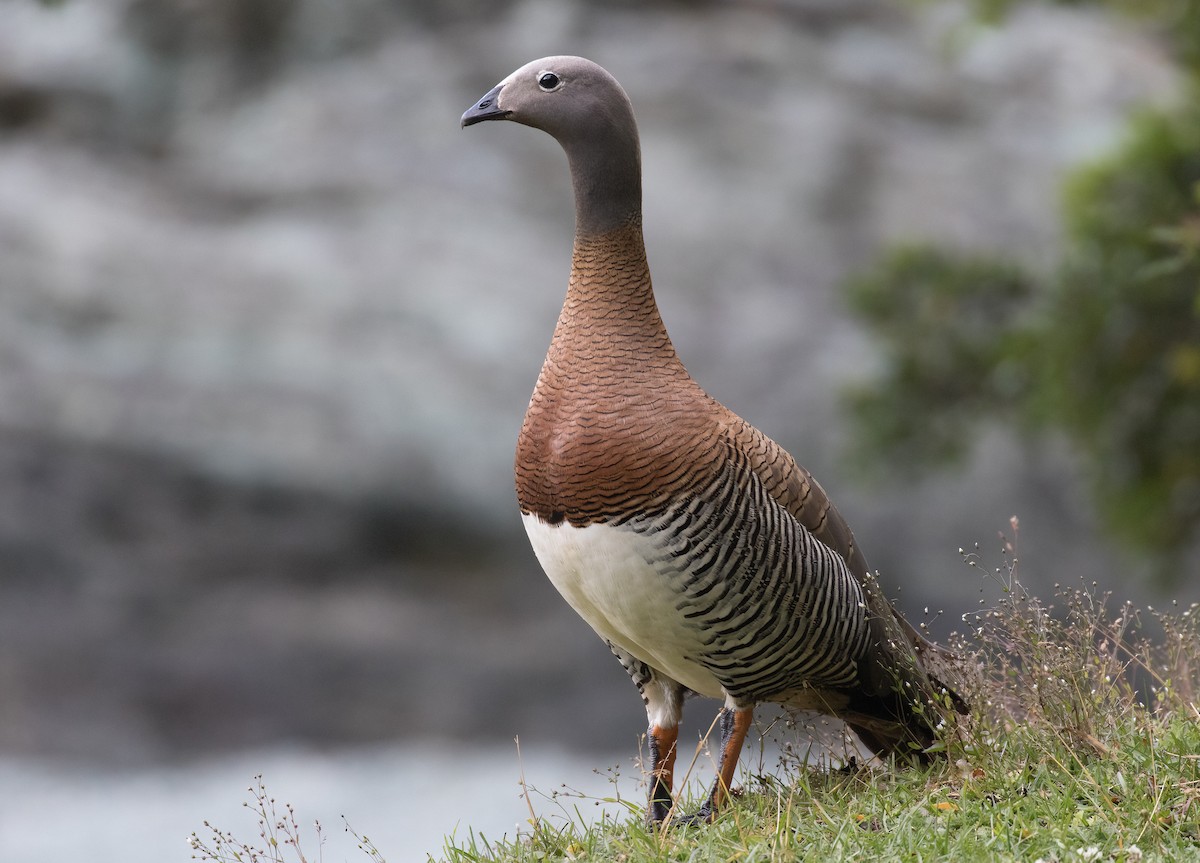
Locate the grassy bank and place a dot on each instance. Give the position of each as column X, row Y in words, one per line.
column 1130, row 795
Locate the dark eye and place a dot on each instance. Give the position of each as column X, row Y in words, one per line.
column 548, row 81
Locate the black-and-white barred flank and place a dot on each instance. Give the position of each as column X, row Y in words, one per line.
column 778, row 610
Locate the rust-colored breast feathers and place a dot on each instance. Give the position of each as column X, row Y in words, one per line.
column 599, row 450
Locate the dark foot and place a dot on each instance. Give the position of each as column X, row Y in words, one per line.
column 705, row 815
column 658, row 811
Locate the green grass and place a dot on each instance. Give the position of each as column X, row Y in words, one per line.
column 1084, row 746
column 1026, row 797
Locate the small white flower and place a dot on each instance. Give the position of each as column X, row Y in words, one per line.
column 1133, row 854
column 1088, row 854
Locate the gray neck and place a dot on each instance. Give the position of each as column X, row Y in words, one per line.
column 606, row 173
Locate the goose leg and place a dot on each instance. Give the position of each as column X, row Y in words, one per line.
column 663, row 698
column 662, row 756
column 735, row 724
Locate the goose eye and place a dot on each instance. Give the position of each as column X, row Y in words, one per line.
column 548, row 81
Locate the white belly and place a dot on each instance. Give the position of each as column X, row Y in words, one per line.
column 603, row 573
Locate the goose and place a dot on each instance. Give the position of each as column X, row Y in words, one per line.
column 708, row 560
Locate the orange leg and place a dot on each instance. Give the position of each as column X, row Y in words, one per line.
column 735, row 724
column 662, row 754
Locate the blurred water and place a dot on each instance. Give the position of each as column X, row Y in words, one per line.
column 406, row 799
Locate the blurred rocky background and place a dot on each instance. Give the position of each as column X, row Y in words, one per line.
column 269, row 320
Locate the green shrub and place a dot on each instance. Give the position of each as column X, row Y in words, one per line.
column 1106, row 351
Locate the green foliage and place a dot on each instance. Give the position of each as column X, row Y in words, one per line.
column 949, row 328
column 1121, row 342
column 1107, row 350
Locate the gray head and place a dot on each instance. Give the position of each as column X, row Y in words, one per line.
column 584, row 108
column 559, row 95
